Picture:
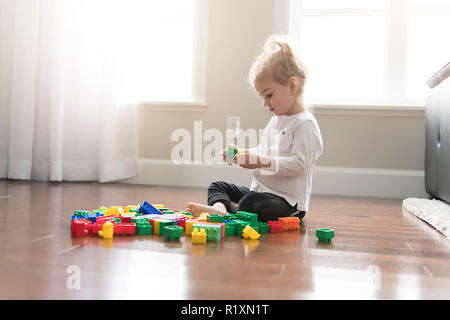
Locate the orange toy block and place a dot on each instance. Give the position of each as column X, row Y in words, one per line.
column 289, row 223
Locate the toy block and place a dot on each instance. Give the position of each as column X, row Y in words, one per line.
column 115, row 211
column 324, row 234
column 80, row 227
column 203, row 216
column 248, row 216
column 215, row 218
column 250, row 233
column 188, row 225
column 219, row 225
column 289, row 223
column 134, row 210
column 81, row 213
column 107, row 230
column 169, row 212
column 214, row 231
column 159, row 206
column 163, row 209
column 147, row 208
column 126, row 218
column 198, row 236
column 264, row 227
column 231, row 152
column 230, row 216
column 143, row 228
column 97, row 226
column 182, row 222
column 230, row 228
column 173, row 233
column 124, row 228
column 129, row 207
column 274, row 226
column 159, row 224
column 240, row 225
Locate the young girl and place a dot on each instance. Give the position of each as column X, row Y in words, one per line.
column 284, row 161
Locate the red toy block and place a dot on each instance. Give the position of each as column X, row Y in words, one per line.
column 289, row 223
column 81, row 227
column 126, row 219
column 274, row 226
column 124, row 228
column 98, row 225
column 182, row 222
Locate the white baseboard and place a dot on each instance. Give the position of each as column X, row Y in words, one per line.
column 327, row 180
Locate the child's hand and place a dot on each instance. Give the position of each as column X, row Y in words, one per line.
column 231, row 161
column 251, row 160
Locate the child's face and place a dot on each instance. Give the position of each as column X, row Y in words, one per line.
column 278, row 98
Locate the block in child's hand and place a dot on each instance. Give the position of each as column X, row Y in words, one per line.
column 232, row 150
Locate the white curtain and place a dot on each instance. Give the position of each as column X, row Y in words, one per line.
column 63, row 115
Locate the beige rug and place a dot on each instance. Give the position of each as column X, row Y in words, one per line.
column 435, row 212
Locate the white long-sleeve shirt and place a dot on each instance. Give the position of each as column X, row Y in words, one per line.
column 293, row 143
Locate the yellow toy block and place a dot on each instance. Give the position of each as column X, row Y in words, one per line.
column 128, row 208
column 203, row 216
column 199, row 236
column 107, row 230
column 250, row 233
column 115, row 211
column 156, row 226
column 158, row 206
column 103, row 208
column 188, row 226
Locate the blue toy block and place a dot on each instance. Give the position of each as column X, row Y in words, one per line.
column 147, row 208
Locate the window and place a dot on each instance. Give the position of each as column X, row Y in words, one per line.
column 161, row 49
column 370, row 52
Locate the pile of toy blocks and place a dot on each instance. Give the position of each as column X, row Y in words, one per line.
column 147, row 219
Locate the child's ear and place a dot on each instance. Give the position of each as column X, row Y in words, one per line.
column 293, row 85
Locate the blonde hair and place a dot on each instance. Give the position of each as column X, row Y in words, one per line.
column 278, row 61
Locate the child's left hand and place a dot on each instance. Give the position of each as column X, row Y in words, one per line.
column 250, row 160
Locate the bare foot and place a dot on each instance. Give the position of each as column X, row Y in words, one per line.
column 197, row 208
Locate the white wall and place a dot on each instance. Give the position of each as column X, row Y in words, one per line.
column 369, row 152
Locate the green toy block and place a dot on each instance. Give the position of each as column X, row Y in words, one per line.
column 135, row 210
column 215, row 218
column 230, row 229
column 163, row 225
column 213, row 233
column 169, row 212
column 99, row 211
column 248, row 216
column 80, row 213
column 324, row 234
column 173, row 233
column 143, row 228
column 230, row 216
column 231, row 152
column 264, row 227
column 163, row 209
column 240, row 225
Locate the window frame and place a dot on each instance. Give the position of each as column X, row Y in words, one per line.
column 288, row 14
column 197, row 102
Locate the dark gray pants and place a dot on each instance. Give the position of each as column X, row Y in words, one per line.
column 267, row 205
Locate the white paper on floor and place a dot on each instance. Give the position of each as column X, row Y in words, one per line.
column 435, row 212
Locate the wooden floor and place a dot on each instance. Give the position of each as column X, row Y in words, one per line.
column 379, row 251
